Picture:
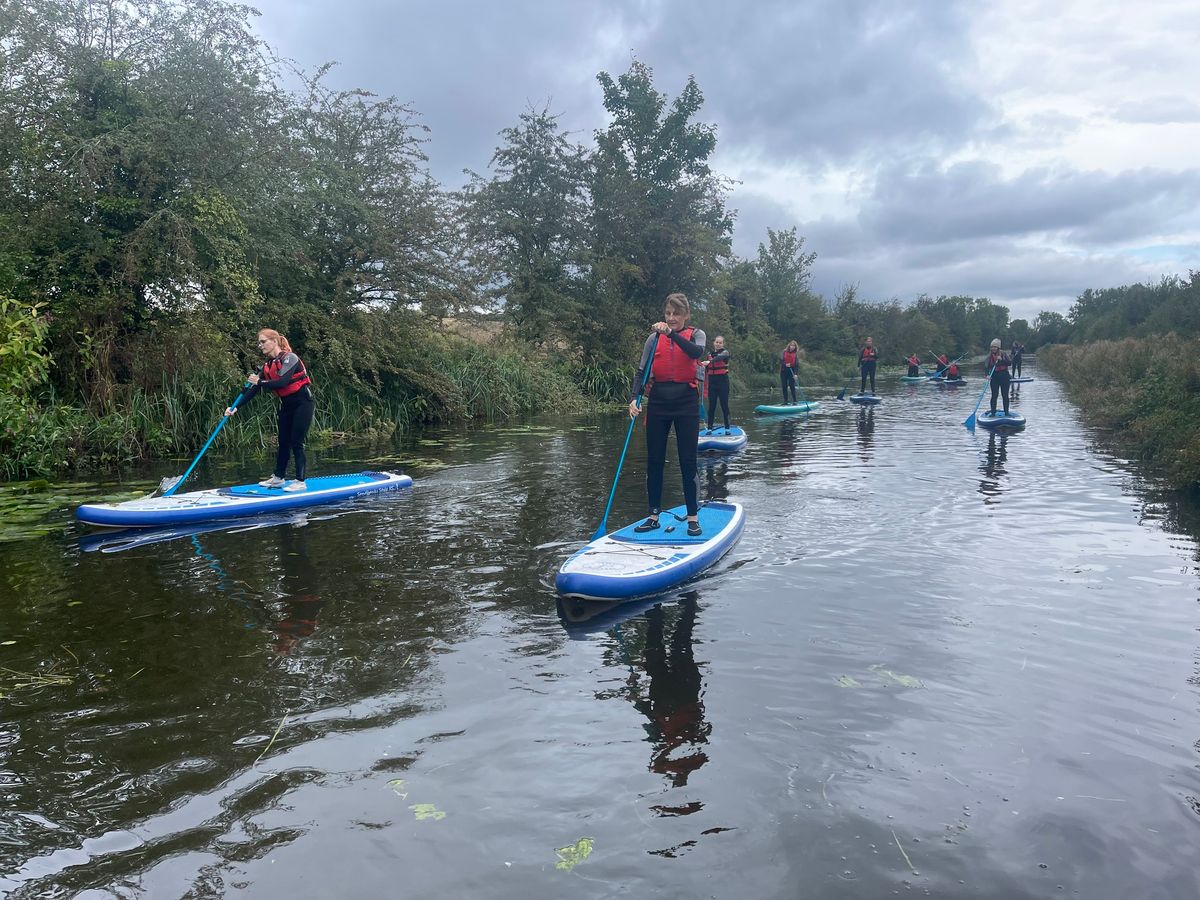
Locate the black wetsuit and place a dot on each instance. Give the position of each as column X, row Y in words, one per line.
column 998, row 365
column 672, row 403
column 718, row 390
column 295, row 415
column 867, row 364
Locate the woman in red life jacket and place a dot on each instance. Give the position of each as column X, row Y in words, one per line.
column 914, row 366
column 942, row 364
column 673, row 353
column 285, row 376
column 716, row 376
column 789, row 369
column 867, row 357
column 997, row 363
column 952, row 372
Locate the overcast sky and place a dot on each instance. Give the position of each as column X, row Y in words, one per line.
column 1019, row 150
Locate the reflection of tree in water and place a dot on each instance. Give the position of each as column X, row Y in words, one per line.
column 671, row 696
column 992, row 466
column 301, row 601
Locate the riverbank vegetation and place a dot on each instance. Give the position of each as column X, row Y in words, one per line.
column 1130, row 361
column 166, row 189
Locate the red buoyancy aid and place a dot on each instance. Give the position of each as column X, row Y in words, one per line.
column 952, row 372
column 789, row 358
column 719, row 366
column 942, row 359
column 913, row 361
column 998, row 361
column 298, row 379
column 868, row 354
column 671, row 363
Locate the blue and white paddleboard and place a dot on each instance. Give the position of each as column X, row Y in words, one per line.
column 727, row 439
column 914, row 379
column 1024, row 379
column 240, row 500
column 1001, row 419
column 624, row 564
column 866, row 399
column 784, row 409
column 952, row 382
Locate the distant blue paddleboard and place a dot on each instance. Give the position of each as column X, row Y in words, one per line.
column 624, row 564
column 785, row 409
column 866, row 399
column 914, row 379
column 1024, row 379
column 726, row 439
column 952, row 382
column 240, row 500
column 1000, row 420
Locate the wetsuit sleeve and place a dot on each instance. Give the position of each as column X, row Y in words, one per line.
column 290, row 362
column 636, row 388
column 693, row 348
column 721, row 354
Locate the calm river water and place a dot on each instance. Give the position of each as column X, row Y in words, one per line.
column 937, row 664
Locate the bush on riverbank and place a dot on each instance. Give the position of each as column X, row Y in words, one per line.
column 1146, row 390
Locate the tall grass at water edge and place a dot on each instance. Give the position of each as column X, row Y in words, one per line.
column 1145, row 391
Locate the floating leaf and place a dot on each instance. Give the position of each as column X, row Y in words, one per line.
column 427, row 811
column 397, row 785
column 903, row 680
column 847, row 682
column 573, row 854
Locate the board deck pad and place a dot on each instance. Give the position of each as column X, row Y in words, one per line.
column 712, row 520
column 320, row 483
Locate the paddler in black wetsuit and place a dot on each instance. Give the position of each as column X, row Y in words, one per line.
column 789, row 369
column 716, row 376
column 672, row 352
column 997, row 363
column 285, row 376
column 914, row 366
column 1018, row 349
column 867, row 358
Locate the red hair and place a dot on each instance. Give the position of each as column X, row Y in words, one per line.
column 278, row 338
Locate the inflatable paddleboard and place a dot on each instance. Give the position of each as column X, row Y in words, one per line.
column 1024, row 379
column 914, row 379
column 952, row 382
column 1001, row 419
column 783, row 409
column 229, row 502
column 866, row 399
column 727, row 439
column 625, row 564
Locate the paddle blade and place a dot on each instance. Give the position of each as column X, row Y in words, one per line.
column 841, row 395
column 167, row 486
column 970, row 423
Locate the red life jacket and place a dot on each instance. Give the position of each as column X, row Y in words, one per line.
column 671, row 363
column 998, row 361
column 868, row 354
column 719, row 366
column 789, row 358
column 942, row 359
column 913, row 361
column 298, row 379
column 952, row 372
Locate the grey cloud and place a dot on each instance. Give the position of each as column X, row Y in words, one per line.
column 1161, row 110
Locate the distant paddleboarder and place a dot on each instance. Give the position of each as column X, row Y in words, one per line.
column 717, row 378
column 789, row 370
column 673, row 354
column 914, row 366
column 867, row 358
column 997, row 363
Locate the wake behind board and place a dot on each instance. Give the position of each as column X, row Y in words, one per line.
column 725, row 439
column 784, row 409
column 1001, row 419
column 239, row 500
column 624, row 564
column 866, row 399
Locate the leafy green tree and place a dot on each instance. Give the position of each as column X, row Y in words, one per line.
column 784, row 272
column 528, row 224
column 659, row 219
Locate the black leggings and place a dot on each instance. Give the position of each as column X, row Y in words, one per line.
column 295, row 417
column 1000, row 382
column 868, row 371
column 718, row 389
column 687, row 432
column 787, row 379
column 1016, row 366
column 914, row 371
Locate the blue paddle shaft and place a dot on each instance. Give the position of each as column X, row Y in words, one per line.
column 628, row 434
column 212, row 437
column 970, row 422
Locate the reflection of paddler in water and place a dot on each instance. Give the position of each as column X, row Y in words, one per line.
column 714, row 480
column 992, row 466
column 672, row 699
column 301, row 601
column 866, row 430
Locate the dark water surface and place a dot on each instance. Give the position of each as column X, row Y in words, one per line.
column 937, row 664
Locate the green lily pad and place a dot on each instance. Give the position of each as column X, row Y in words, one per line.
column 573, row 854
column 427, row 811
column 903, row 680
column 847, row 681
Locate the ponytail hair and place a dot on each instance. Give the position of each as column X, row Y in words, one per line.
column 277, row 338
